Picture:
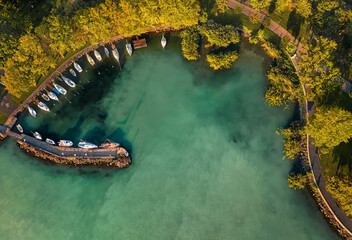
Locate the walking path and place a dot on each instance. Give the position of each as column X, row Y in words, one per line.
column 313, row 156
column 6, row 106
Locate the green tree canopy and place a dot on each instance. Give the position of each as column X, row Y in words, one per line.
column 330, row 126
column 190, row 43
column 304, row 8
column 297, row 181
column 292, row 140
column 260, row 4
column 341, row 189
column 222, row 60
column 219, row 35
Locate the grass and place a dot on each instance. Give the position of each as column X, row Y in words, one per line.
column 3, row 118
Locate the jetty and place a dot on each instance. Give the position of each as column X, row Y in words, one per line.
column 139, row 43
column 115, row 156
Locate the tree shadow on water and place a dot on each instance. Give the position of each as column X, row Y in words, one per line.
column 294, row 23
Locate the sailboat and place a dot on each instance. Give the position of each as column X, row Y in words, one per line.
column 51, row 142
column 77, row 66
column 106, row 51
column 116, row 54
column 163, row 41
column 52, row 96
column 37, row 136
column 45, row 97
column 72, row 72
column 60, row 89
column 90, row 60
column 84, row 144
column 43, row 106
column 32, row 111
column 19, row 128
column 129, row 49
column 65, row 143
column 69, row 82
column 97, row 55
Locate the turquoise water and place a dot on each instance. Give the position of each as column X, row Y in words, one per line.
column 207, row 163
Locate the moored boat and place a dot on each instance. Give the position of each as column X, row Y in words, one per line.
column 106, row 52
column 69, row 82
column 60, row 89
column 97, row 55
column 19, row 128
column 84, row 144
column 109, row 145
column 43, row 106
column 45, row 97
column 37, row 136
column 52, row 96
column 65, row 143
column 72, row 72
column 51, row 142
column 163, row 42
column 129, row 49
column 77, row 66
column 90, row 60
column 32, row 111
column 116, row 54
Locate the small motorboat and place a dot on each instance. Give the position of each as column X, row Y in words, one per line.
column 69, row 82
column 90, row 60
column 60, row 89
column 37, row 136
column 72, row 72
column 163, row 42
column 32, row 111
column 129, row 49
column 106, row 52
column 19, row 128
column 45, row 97
column 51, row 142
column 77, row 66
column 116, row 54
column 97, row 55
column 52, row 96
column 65, row 143
column 43, row 106
column 84, row 144
column 109, row 145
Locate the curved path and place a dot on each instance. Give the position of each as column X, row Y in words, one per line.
column 313, row 156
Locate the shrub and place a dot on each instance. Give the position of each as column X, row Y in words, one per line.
column 222, row 60
column 291, row 48
column 266, row 23
column 292, row 141
column 221, row 36
column 270, row 49
column 253, row 39
column 297, row 181
column 190, row 43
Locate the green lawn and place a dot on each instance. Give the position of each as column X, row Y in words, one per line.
column 3, row 118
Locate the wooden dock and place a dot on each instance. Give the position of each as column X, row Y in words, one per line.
column 140, row 43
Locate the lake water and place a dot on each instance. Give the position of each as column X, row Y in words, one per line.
column 207, row 163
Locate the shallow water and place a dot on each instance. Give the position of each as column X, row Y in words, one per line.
column 207, row 163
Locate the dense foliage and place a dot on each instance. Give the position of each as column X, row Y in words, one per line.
column 219, row 35
column 341, row 189
column 27, row 52
column 292, row 141
column 222, row 60
column 190, row 43
column 297, row 181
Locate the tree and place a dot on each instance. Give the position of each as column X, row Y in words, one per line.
column 221, row 6
column 222, row 60
column 292, row 140
column 190, row 43
column 341, row 190
column 270, row 49
column 304, row 8
column 297, row 181
column 282, row 5
column 260, row 4
column 266, row 22
column 330, row 126
column 221, row 36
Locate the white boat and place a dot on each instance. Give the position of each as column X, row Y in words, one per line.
column 37, row 136
column 52, row 96
column 51, row 142
column 43, row 106
column 129, row 49
column 97, row 55
column 65, row 143
column 32, row 111
column 45, row 97
column 84, row 144
column 69, row 82
column 72, row 72
column 106, row 51
column 90, row 60
column 77, row 66
column 19, row 128
column 116, row 54
column 60, row 89
column 163, row 42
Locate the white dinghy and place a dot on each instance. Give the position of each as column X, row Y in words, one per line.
column 72, row 72
column 69, row 82
column 84, row 144
column 60, row 89
column 163, row 42
column 77, row 66
column 37, row 136
column 51, row 142
column 32, row 111
column 19, row 128
column 129, row 49
column 43, row 106
column 97, row 55
column 90, row 60
column 65, row 143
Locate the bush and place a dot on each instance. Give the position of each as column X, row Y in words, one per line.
column 297, row 181
column 266, row 23
column 222, row 60
column 291, row 48
column 292, row 141
column 221, row 36
column 285, row 40
column 270, row 49
column 253, row 39
column 190, row 43
column 341, row 190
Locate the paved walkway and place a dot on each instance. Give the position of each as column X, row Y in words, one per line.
column 6, row 106
column 312, row 150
